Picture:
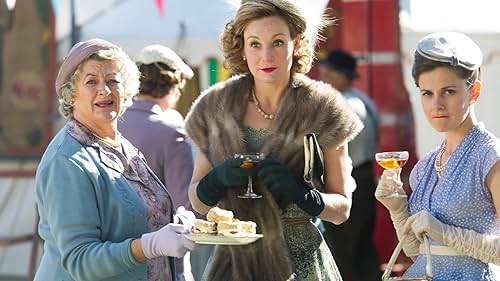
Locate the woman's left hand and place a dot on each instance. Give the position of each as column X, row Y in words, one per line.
column 281, row 181
column 423, row 222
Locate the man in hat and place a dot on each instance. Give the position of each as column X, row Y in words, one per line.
column 154, row 126
column 352, row 242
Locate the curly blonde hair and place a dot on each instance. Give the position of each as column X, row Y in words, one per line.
column 130, row 80
column 232, row 39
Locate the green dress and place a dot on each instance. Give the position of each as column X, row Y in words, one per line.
column 309, row 253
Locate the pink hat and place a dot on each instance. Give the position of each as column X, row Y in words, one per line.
column 76, row 55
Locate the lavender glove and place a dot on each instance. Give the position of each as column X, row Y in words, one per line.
column 167, row 242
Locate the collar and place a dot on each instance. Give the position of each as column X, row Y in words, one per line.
column 145, row 105
column 108, row 155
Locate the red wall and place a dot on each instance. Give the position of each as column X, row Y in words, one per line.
column 370, row 30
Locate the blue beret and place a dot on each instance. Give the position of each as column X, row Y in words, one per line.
column 451, row 47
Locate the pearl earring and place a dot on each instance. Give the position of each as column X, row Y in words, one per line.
column 244, row 58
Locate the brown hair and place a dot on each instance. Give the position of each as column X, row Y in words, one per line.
column 157, row 79
column 232, row 36
column 423, row 64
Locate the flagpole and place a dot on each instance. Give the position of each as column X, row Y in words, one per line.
column 75, row 29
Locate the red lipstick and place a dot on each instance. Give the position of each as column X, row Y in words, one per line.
column 268, row 69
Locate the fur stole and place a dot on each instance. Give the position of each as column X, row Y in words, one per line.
column 214, row 125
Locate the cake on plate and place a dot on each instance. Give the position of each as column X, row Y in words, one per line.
column 248, row 227
column 220, row 221
column 217, row 214
column 227, row 228
column 203, row 226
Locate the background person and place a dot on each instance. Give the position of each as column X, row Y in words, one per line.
column 167, row 150
column 455, row 197
column 352, row 242
column 104, row 215
column 269, row 108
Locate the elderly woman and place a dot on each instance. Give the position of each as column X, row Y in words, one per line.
column 269, row 108
column 104, row 215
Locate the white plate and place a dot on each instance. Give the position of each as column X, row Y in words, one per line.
column 217, row 239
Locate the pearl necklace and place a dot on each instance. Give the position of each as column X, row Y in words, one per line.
column 438, row 165
column 260, row 110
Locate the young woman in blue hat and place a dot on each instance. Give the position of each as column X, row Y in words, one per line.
column 455, row 198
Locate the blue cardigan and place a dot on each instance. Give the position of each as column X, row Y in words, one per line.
column 89, row 215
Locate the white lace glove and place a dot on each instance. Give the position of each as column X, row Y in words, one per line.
column 479, row 246
column 167, row 242
column 186, row 217
column 390, row 184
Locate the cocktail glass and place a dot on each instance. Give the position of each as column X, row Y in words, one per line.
column 391, row 160
column 249, row 160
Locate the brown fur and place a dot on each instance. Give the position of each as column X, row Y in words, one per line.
column 213, row 124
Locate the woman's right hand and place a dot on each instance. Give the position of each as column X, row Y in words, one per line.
column 388, row 189
column 229, row 174
column 167, row 242
column 390, row 184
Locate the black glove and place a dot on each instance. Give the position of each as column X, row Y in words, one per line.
column 229, row 174
column 281, row 181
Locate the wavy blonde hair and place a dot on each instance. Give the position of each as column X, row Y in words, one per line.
column 232, row 39
column 130, row 80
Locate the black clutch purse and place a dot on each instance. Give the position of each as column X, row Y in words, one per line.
column 314, row 166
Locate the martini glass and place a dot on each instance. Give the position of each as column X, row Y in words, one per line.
column 391, row 160
column 249, row 160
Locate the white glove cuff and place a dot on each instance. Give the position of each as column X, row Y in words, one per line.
column 147, row 243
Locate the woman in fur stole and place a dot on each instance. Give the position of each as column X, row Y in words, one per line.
column 268, row 108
